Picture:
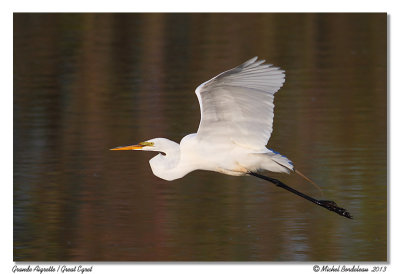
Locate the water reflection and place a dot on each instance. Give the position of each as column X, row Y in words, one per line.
column 84, row 83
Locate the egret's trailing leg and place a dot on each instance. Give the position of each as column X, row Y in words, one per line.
column 330, row 205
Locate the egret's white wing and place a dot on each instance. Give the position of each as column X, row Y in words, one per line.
column 237, row 105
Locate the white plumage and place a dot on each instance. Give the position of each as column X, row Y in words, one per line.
column 236, row 124
column 240, row 101
column 237, row 110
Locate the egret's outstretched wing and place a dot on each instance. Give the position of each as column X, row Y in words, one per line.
column 237, row 105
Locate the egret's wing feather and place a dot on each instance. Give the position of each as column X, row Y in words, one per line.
column 237, row 104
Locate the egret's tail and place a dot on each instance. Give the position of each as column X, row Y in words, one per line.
column 310, row 181
column 281, row 160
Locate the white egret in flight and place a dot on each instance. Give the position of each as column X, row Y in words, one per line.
column 236, row 124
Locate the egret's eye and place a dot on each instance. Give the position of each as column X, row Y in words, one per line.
column 147, row 144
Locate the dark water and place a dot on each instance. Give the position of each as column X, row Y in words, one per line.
column 84, row 83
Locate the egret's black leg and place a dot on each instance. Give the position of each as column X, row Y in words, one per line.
column 330, row 205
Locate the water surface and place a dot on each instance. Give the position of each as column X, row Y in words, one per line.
column 84, row 83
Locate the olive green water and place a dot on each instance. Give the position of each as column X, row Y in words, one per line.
column 84, row 83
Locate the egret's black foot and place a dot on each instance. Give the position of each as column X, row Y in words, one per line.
column 332, row 206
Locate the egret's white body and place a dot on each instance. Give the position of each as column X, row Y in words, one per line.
column 236, row 124
column 192, row 154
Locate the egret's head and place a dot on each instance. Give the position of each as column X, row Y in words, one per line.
column 157, row 144
column 149, row 145
column 165, row 161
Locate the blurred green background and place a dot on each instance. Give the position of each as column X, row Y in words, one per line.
column 84, row 83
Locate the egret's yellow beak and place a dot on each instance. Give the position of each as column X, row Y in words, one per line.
column 134, row 147
column 131, row 147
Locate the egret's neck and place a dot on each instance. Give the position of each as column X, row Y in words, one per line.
column 168, row 166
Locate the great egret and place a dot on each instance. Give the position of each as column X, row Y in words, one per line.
column 236, row 124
